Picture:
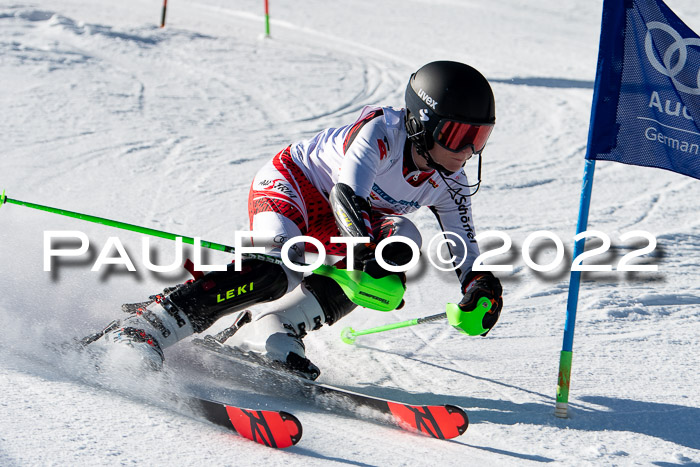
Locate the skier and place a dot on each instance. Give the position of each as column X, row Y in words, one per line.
column 353, row 181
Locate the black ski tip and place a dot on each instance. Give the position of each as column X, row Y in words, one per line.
column 454, row 409
column 286, row 416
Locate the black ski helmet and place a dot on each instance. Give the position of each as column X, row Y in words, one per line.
column 445, row 90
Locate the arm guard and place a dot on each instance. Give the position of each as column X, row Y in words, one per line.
column 350, row 211
column 352, row 218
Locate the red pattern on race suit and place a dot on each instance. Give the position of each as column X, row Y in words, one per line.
column 306, row 207
column 312, row 214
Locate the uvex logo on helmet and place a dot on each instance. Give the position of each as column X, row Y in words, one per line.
column 427, row 99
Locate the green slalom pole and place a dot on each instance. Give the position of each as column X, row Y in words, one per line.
column 131, row 227
column 382, row 294
column 267, row 18
column 349, row 335
column 466, row 322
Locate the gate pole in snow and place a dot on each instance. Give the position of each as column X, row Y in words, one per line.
column 562, row 405
column 267, row 18
column 162, row 18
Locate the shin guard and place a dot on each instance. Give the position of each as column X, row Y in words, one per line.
column 219, row 293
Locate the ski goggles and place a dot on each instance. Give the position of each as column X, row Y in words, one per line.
column 457, row 136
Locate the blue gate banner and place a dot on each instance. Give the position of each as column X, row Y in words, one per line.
column 646, row 103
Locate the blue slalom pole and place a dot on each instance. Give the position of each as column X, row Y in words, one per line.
column 564, row 380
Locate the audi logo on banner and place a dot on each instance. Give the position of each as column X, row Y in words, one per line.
column 679, row 49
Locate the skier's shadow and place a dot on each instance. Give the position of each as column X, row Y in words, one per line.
column 678, row 424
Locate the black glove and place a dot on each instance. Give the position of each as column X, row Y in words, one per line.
column 363, row 254
column 480, row 284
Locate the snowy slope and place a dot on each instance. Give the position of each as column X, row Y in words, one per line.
column 107, row 114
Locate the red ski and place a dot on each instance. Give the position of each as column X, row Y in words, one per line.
column 275, row 429
column 438, row 421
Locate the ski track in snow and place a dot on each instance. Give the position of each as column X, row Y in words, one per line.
column 105, row 113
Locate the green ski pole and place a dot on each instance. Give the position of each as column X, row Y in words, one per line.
column 467, row 322
column 349, row 335
column 382, row 294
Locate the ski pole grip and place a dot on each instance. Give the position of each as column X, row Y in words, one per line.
column 3, row 197
column 471, row 321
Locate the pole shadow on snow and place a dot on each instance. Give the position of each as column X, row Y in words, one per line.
column 311, row 453
column 289, row 392
column 674, row 423
column 677, row 424
column 546, row 82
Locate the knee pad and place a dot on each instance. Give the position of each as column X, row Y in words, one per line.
column 219, row 293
